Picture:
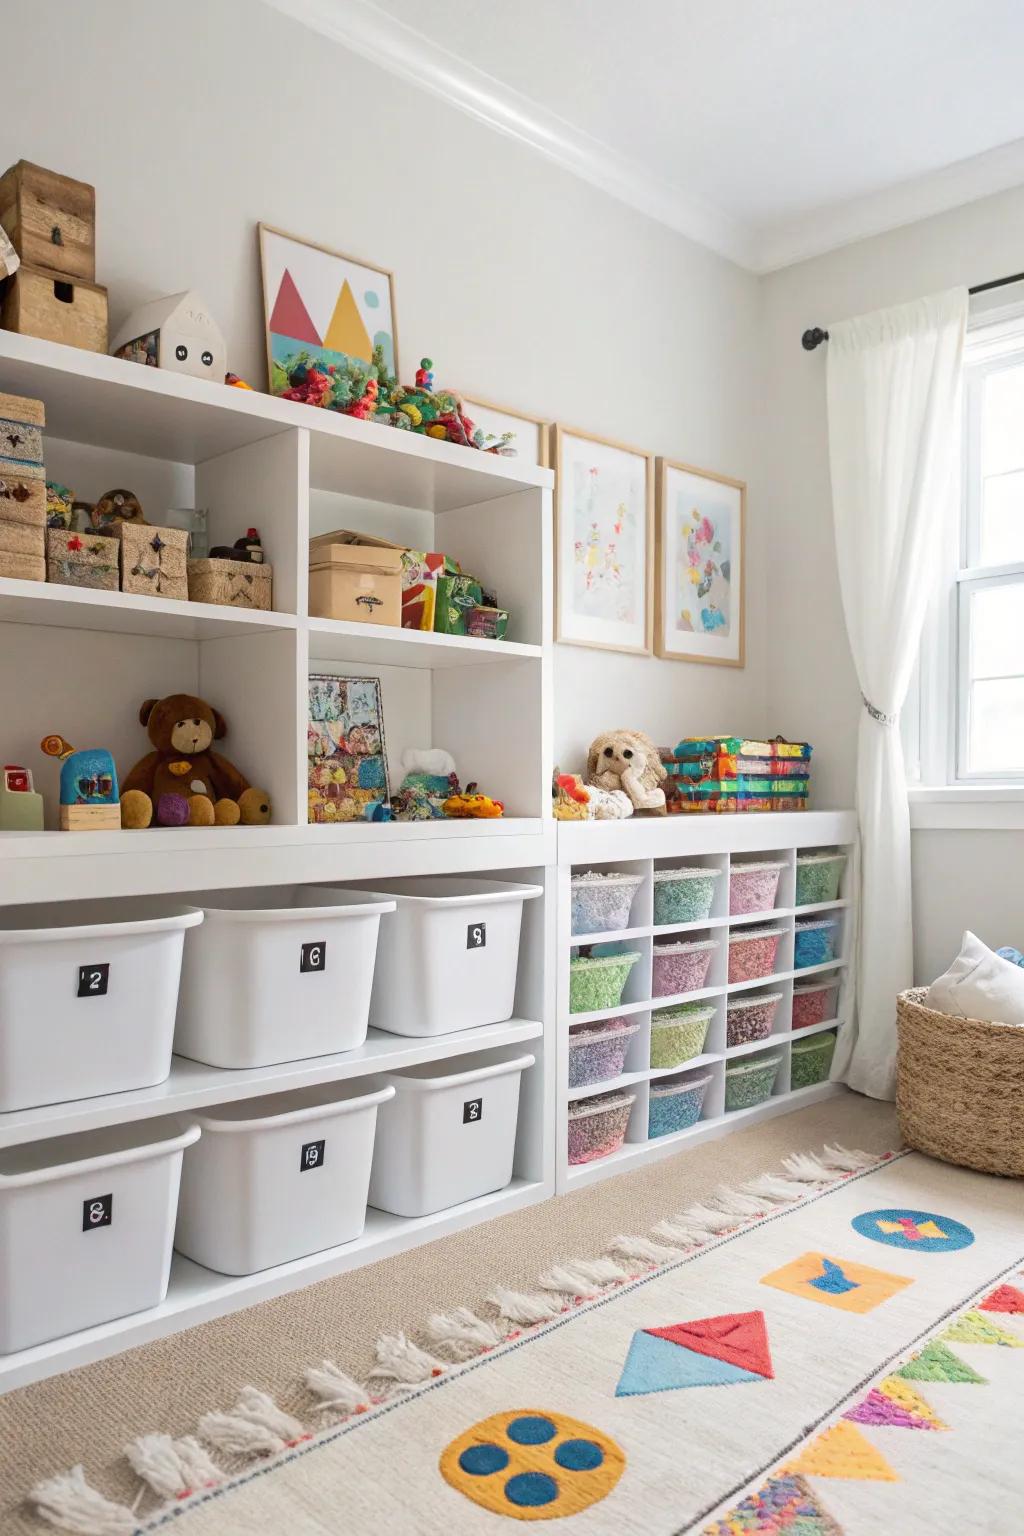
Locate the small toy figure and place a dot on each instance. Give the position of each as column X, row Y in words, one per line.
column 60, row 505
column 246, row 548
column 113, row 507
column 89, row 798
column 471, row 803
column 21, row 809
column 233, row 380
column 570, row 801
column 425, row 375
column 366, row 406
column 176, row 333
column 430, row 780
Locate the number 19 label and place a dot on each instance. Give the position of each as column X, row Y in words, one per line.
column 93, row 980
column 476, row 936
column 312, row 1155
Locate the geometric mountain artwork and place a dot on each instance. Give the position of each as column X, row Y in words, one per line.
column 346, row 331
column 843, row 1451
column 895, row 1404
column 836, row 1282
column 937, row 1363
column 708, row 1352
column 290, row 317
column 1005, row 1298
column 976, row 1328
column 783, row 1506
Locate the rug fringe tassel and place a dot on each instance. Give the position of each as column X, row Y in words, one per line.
column 643, row 1249
column 523, row 1309
column 256, row 1426
column 335, row 1390
column 851, row 1161
column 172, row 1468
column 401, row 1361
column 584, row 1277
column 463, row 1333
column 68, row 1502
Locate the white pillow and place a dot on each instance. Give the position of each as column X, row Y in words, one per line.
column 980, row 985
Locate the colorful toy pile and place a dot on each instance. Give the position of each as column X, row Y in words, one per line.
column 728, row 773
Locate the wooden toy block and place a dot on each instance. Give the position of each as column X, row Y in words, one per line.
column 42, row 302
column 90, row 818
column 50, row 219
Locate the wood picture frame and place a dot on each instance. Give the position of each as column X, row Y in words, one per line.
column 474, row 404
column 715, row 552
column 621, row 507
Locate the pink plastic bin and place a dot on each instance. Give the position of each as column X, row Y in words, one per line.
column 753, row 887
column 681, row 967
column 597, row 1126
column 752, row 953
column 814, row 1002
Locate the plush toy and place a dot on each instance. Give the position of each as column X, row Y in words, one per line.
column 181, row 781
column 628, row 761
column 429, row 780
column 570, row 800
column 471, row 803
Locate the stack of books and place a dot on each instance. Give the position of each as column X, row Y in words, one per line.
column 729, row 773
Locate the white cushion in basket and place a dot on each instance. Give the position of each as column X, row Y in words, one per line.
column 980, row 985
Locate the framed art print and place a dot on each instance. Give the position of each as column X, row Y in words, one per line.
column 347, row 754
column 698, row 594
column 604, row 498
column 325, row 308
column 530, row 433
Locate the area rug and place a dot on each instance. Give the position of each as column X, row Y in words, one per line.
column 834, row 1351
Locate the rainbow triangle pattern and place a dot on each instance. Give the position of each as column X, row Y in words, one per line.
column 1005, row 1298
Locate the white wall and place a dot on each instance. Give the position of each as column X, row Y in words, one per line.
column 526, row 286
column 961, row 878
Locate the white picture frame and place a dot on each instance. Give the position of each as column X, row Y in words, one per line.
column 700, row 580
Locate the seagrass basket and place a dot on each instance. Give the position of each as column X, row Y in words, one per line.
column 960, row 1087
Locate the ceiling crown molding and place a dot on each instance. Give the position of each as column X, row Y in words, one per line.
column 366, row 29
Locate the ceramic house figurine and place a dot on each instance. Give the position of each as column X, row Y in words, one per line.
column 89, row 796
column 21, row 808
column 175, row 333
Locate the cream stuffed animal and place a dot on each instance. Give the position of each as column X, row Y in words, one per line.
column 628, row 761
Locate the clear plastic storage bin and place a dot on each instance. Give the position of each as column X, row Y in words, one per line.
column 277, row 974
column 598, row 981
column 751, row 1079
column 814, row 942
column 814, row 1002
column 679, row 1034
column 684, row 895
column 449, row 955
column 818, row 876
column 753, row 887
column 681, row 967
column 597, row 1126
column 88, row 992
column 602, row 903
column 86, row 1224
column 448, row 1135
column 750, row 1018
column 752, row 953
column 676, row 1104
column 598, row 1051
column 278, row 1177
column 812, row 1059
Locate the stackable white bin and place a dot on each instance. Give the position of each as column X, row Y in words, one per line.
column 446, row 1136
column 448, row 957
column 88, row 991
column 278, row 974
column 278, row 1177
column 86, row 1224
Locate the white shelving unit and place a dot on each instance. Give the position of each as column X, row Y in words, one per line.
column 81, row 662
column 639, row 846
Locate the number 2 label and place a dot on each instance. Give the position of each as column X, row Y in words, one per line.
column 93, row 980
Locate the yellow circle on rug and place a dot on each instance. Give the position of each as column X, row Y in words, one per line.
column 531, row 1464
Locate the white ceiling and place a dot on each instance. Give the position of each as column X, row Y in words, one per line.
column 768, row 129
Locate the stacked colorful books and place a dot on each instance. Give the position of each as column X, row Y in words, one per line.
column 729, row 773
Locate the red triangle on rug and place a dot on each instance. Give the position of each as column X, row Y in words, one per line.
column 1005, row 1298
column 739, row 1338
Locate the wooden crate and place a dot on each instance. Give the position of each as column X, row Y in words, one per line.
column 82, row 559
column 23, row 567
column 50, row 219
column 232, row 583
column 41, row 302
column 22, row 493
column 154, row 560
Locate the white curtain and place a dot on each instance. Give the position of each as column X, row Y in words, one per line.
column 893, row 411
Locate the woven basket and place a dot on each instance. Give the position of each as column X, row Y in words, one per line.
column 960, row 1087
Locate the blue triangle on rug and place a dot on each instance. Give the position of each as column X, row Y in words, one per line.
column 659, row 1365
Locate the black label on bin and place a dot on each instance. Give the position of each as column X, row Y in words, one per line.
column 314, row 956
column 476, row 936
column 312, row 1156
column 472, row 1111
column 98, row 1212
column 93, row 980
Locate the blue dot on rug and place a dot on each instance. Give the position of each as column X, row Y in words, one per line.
column 579, row 1455
column 531, row 1429
column 923, row 1230
column 531, row 1489
column 482, row 1460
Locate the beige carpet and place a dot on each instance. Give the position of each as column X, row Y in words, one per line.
column 89, row 1415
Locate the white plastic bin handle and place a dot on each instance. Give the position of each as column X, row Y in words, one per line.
column 458, row 1079
column 120, row 1159
column 185, row 917
column 297, row 1116
column 470, row 898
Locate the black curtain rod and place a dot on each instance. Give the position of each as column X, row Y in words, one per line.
column 813, row 338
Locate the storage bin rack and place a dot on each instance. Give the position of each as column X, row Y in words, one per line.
column 639, row 846
column 81, row 661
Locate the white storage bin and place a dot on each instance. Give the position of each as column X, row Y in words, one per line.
column 448, row 1135
column 275, row 1178
column 277, row 974
column 448, row 958
column 85, row 1228
column 87, row 998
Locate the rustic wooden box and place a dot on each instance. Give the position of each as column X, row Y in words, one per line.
column 50, row 219
column 22, row 493
column 232, row 583
column 82, row 559
column 44, row 303
column 154, row 560
column 23, row 567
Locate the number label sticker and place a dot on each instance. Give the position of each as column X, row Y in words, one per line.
column 476, row 936
column 472, row 1111
column 93, row 980
column 98, row 1212
column 314, row 956
column 312, row 1156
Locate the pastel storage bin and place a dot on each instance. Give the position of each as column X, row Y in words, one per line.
column 676, row 1104
column 88, row 991
column 753, row 887
column 679, row 1034
column 815, row 942
column 447, row 1136
column 598, row 981
column 277, row 974
column 818, row 876
column 448, row 957
column 681, row 967
column 812, row 1059
column 602, row 903
column 274, row 1178
column 598, row 1126
column 598, row 1051
column 752, row 953
column 86, row 1224
column 814, row 1002
column 750, row 1080
column 750, row 1018
column 684, row 895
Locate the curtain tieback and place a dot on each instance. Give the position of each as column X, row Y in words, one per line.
column 877, row 714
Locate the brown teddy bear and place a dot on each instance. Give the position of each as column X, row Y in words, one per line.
column 182, row 782
column 628, row 761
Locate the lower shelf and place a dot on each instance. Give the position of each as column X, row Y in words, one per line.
column 195, row 1295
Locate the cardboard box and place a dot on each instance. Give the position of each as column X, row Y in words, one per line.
column 355, row 576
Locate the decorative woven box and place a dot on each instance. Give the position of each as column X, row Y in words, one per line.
column 82, row 559
column 232, row 583
column 22, row 518
column 154, row 560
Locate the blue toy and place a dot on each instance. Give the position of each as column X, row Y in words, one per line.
column 89, row 796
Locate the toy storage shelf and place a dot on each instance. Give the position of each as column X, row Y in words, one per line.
column 638, row 846
column 122, row 613
column 380, row 645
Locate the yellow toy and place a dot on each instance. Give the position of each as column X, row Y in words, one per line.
column 471, row 803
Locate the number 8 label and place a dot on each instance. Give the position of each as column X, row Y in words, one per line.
column 97, row 1212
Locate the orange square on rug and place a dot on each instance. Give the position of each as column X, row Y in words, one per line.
column 836, row 1282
